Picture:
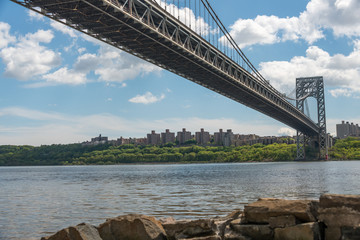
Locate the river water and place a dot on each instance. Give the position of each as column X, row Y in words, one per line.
column 37, row 201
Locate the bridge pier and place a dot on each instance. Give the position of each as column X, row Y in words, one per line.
column 306, row 145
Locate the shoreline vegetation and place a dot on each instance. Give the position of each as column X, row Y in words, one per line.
column 106, row 154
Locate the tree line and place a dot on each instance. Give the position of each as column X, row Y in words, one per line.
column 77, row 154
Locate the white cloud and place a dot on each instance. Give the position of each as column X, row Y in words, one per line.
column 27, row 58
column 285, row 131
column 147, row 98
column 113, row 65
column 341, row 92
column 63, row 28
column 35, row 16
column 5, row 37
column 339, row 71
column 340, row 16
column 264, row 30
column 118, row 66
column 187, row 16
column 86, row 63
column 65, row 76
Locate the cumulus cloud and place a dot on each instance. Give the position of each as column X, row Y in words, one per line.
column 267, row 30
column 28, row 58
column 339, row 71
column 5, row 37
column 285, row 131
column 65, row 76
column 340, row 16
column 147, row 98
column 63, row 29
column 34, row 16
column 113, row 65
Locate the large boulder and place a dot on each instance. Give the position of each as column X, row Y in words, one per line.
column 132, row 227
column 189, row 228
column 337, row 212
column 305, row 231
column 82, row 231
column 262, row 210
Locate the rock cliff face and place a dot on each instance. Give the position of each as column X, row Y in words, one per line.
column 334, row 217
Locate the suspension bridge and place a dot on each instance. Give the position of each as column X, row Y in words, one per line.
column 187, row 38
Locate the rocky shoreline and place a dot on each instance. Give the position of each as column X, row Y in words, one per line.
column 332, row 217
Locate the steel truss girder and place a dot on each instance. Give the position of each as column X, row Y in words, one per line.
column 175, row 47
column 312, row 87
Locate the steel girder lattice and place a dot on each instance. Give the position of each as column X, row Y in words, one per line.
column 312, row 87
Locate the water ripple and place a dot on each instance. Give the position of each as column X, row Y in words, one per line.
column 37, row 201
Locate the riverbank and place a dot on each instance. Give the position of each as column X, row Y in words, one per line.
column 332, row 217
column 103, row 154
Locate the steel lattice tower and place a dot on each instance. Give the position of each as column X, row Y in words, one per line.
column 312, row 87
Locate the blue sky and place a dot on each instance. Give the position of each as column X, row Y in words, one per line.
column 59, row 86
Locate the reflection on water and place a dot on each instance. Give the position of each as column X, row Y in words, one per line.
column 35, row 201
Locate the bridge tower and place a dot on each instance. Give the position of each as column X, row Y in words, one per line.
column 312, row 87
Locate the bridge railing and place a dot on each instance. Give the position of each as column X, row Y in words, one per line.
column 199, row 16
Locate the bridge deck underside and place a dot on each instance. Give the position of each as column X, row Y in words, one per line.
column 127, row 33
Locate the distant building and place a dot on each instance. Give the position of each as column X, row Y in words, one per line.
column 250, row 139
column 224, row 138
column 99, row 140
column 228, row 138
column 202, row 137
column 345, row 130
column 123, row 141
column 137, row 141
column 153, row 138
column 167, row 137
column 140, row 141
column 219, row 137
column 183, row 136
